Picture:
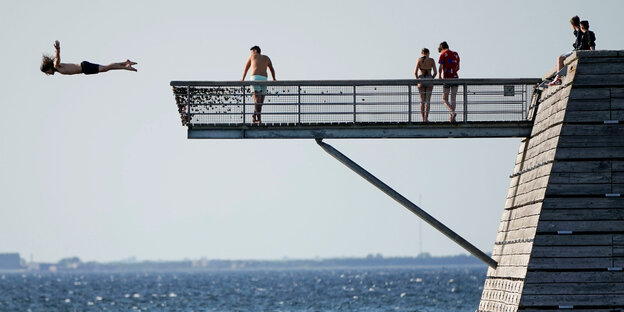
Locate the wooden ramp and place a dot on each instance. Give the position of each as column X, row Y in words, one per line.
column 560, row 243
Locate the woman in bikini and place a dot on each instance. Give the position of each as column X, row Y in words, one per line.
column 424, row 67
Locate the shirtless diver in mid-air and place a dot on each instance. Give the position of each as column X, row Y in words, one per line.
column 51, row 65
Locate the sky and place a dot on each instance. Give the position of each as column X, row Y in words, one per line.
column 100, row 168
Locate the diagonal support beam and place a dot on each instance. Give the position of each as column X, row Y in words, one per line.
column 407, row 203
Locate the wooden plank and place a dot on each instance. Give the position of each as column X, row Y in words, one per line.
column 599, row 80
column 578, row 189
column 512, row 261
column 572, row 300
column 520, row 223
column 580, row 105
column 580, row 177
column 600, row 68
column 549, row 121
column 617, row 93
column 538, row 155
column 617, row 104
column 571, row 251
column 593, row 130
column 581, row 226
column 551, row 113
column 570, row 263
column 574, row 289
column 582, row 214
column 519, row 234
column 581, row 141
column 588, row 116
column 587, row 56
column 581, row 93
column 564, row 153
column 617, row 165
column 573, row 240
column 548, row 309
column 617, row 115
column 544, row 151
column 531, row 181
column 512, row 249
column 528, row 192
column 533, row 277
column 508, row 271
column 522, row 211
column 617, row 188
column 582, row 203
column 500, row 295
column 582, row 166
column 528, row 198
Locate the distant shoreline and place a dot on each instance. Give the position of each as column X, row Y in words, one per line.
column 371, row 262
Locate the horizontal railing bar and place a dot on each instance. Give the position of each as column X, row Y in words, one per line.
column 393, row 82
column 350, row 113
column 364, row 103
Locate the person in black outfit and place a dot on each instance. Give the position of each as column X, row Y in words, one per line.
column 587, row 38
column 575, row 22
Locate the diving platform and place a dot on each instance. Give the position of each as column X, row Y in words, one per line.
column 560, row 242
column 299, row 109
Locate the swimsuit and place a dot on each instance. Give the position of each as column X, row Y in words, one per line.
column 89, row 68
column 425, row 73
column 258, row 88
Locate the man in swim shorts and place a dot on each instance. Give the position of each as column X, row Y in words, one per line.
column 258, row 64
column 51, row 65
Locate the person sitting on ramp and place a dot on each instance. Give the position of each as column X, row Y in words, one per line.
column 51, row 65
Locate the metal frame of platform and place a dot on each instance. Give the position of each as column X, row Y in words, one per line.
column 354, row 109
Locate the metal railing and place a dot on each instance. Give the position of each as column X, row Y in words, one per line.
column 231, row 103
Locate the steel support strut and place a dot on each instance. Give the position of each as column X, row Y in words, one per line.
column 407, row 204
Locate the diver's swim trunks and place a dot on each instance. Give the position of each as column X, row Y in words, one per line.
column 258, row 88
column 89, row 68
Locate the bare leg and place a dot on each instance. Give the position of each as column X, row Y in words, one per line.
column 423, row 100
column 428, row 93
column 451, row 105
column 259, row 99
column 127, row 65
column 560, row 62
column 453, row 102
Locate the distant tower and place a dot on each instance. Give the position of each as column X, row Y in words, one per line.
column 560, row 243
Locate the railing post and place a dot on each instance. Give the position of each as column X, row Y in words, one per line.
column 354, row 103
column 465, row 103
column 299, row 104
column 525, row 103
column 244, row 109
column 409, row 103
column 188, row 104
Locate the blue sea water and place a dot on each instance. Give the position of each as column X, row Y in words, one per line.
column 380, row 289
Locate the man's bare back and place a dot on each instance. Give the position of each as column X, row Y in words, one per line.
column 258, row 64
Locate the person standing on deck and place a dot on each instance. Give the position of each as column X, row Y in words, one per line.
column 449, row 65
column 424, row 66
column 258, row 64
